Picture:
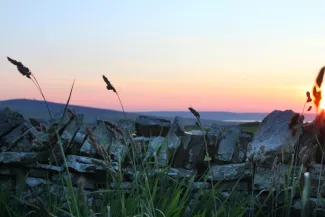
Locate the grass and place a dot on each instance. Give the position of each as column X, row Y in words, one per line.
column 251, row 127
column 159, row 194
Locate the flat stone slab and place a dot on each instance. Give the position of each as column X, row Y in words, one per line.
column 231, row 171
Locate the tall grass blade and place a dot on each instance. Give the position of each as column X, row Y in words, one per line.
column 305, row 196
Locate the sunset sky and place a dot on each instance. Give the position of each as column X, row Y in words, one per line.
column 240, row 56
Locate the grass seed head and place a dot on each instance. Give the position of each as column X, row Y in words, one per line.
column 21, row 68
column 194, row 112
column 109, row 86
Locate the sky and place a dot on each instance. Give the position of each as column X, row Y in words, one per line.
column 239, row 56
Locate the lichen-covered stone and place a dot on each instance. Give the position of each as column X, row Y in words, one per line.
column 9, row 120
column 273, row 138
column 214, row 135
column 266, row 178
column 191, row 151
column 231, row 171
column 228, row 143
column 157, row 151
column 19, row 157
column 175, row 133
column 85, row 164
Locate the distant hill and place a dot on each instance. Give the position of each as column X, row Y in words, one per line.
column 37, row 109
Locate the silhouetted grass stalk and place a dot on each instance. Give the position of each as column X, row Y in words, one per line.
column 109, row 86
column 207, row 157
column 26, row 72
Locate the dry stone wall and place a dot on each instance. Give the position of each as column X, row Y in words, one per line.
column 240, row 159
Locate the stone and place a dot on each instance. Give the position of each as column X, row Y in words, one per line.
column 112, row 141
column 85, row 164
column 233, row 185
column 244, row 140
column 20, row 157
column 200, row 185
column 232, row 147
column 127, row 126
column 79, row 138
column 175, row 133
column 157, row 150
column 47, row 167
column 35, row 187
column 273, row 138
column 266, row 178
column 228, row 143
column 214, row 134
column 119, row 149
column 317, row 173
column 231, row 171
column 9, row 141
column 32, row 182
column 180, row 172
column 191, row 151
column 8, row 121
column 88, row 149
column 88, row 183
column 152, row 126
column 124, row 186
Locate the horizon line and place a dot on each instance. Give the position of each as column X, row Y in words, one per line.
column 102, row 108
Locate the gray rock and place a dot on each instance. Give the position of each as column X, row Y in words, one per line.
column 86, row 164
column 22, row 134
column 127, row 125
column 228, row 143
column 191, row 151
column 140, row 144
column 119, row 149
column 73, row 125
column 231, row 171
column 35, row 187
column 48, row 167
column 112, row 141
column 180, row 172
column 151, row 126
column 214, row 135
column 273, row 138
column 102, row 133
column 266, row 178
column 88, row 149
column 32, row 182
column 200, row 185
column 233, row 185
column 124, row 186
column 19, row 157
column 87, row 183
column 157, row 150
column 233, row 145
column 8, row 121
column 244, row 140
column 79, row 138
column 175, row 133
